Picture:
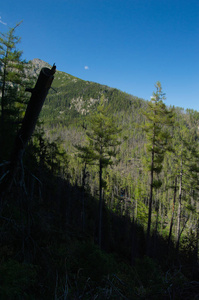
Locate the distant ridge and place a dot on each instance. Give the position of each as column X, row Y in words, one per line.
column 37, row 65
column 71, row 98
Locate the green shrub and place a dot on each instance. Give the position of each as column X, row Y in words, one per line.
column 93, row 262
column 16, row 279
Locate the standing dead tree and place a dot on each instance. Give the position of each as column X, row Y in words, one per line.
column 38, row 96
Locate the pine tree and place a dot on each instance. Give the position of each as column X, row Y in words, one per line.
column 12, row 82
column 102, row 141
column 158, row 119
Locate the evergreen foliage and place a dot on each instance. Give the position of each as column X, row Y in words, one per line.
column 13, row 80
column 159, row 141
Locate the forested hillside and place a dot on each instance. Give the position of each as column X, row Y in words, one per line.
column 104, row 203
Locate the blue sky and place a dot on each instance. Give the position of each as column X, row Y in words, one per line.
column 126, row 44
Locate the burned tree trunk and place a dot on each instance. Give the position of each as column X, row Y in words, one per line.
column 39, row 93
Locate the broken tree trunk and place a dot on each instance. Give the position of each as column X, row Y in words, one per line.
column 39, row 93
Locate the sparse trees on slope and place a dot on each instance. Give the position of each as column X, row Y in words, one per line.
column 186, row 171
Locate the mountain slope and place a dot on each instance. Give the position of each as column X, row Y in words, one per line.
column 72, row 98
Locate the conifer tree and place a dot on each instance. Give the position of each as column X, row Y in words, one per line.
column 12, row 79
column 158, row 119
column 102, row 141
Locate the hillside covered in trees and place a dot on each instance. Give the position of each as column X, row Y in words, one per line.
column 103, row 204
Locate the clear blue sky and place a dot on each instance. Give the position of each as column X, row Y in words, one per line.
column 127, row 44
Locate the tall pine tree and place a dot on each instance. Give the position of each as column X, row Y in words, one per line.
column 12, row 83
column 102, row 141
column 158, row 118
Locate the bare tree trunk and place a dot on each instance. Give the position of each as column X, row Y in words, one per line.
column 150, row 205
column 172, row 216
column 39, row 93
column 100, row 206
column 3, row 98
column 197, row 243
column 179, row 210
column 83, row 197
